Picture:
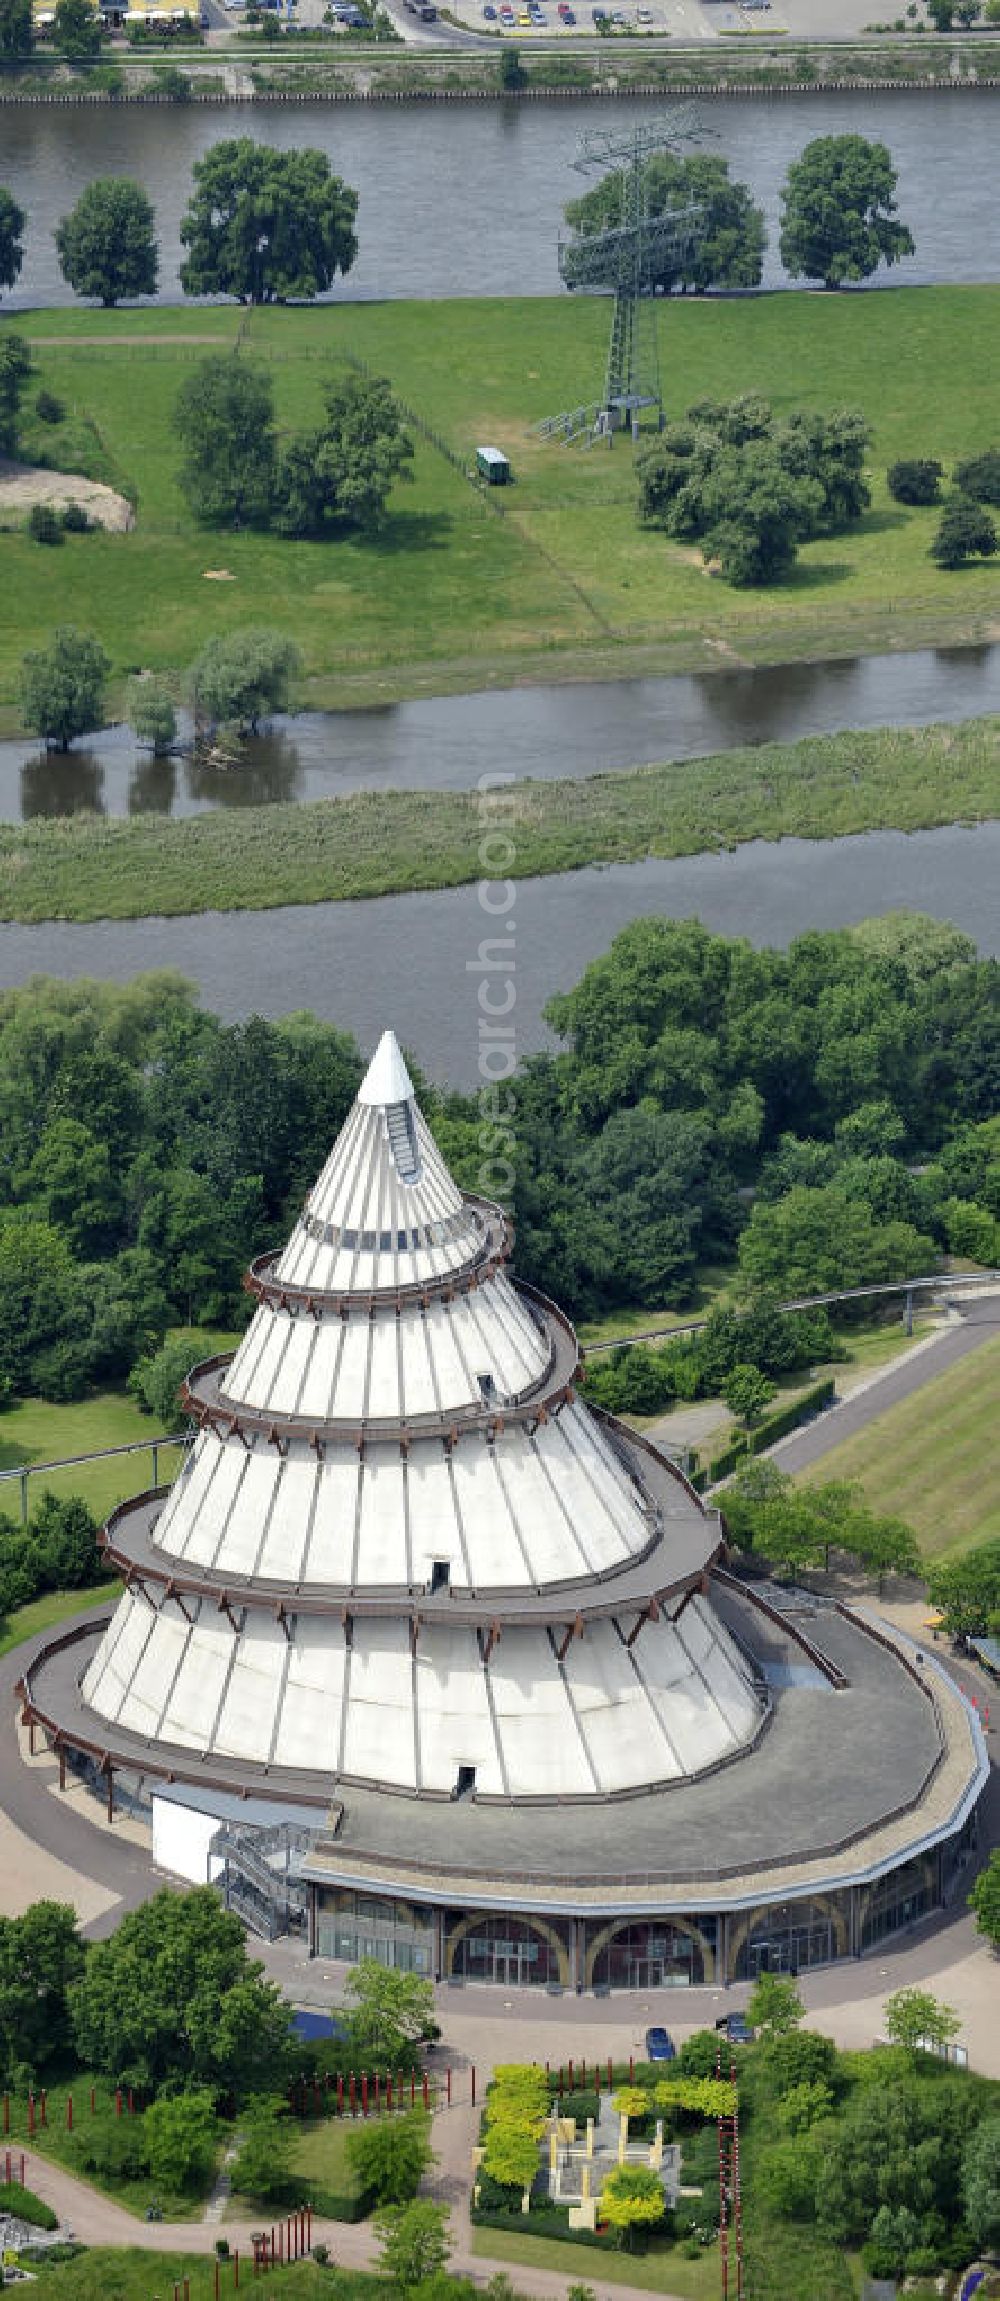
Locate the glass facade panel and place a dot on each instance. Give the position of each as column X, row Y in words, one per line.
column 652, row 1953
column 506, row 1949
column 897, row 1901
column 350, row 1925
column 789, row 1937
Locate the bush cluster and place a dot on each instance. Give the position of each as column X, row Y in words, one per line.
column 57, row 1550
column 749, row 487
column 967, row 529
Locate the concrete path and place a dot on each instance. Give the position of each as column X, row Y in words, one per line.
column 96, row 2220
column 979, row 1322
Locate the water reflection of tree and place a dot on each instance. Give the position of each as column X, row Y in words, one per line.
column 153, row 787
column 62, row 783
column 267, row 772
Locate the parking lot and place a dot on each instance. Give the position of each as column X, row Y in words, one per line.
column 686, row 20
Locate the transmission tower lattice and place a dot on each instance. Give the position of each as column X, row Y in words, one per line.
column 630, row 258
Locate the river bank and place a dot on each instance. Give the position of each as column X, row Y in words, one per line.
column 249, row 71
column 373, row 844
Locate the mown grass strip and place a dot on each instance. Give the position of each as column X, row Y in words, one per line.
column 384, row 843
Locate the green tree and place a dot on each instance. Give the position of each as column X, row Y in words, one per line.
column 224, row 419
column 812, row 1241
column 12, row 218
column 914, row 2018
column 41, row 1955
column 390, row 2155
column 340, row 476
column 979, row 476
column 414, row 2243
column 916, row 479
column 36, row 1298
column 981, row 2183
column 786, row 2178
column 985, row 1900
column 181, row 2134
column 839, row 217
column 967, row 1592
column 172, row 1997
column 242, row 678
column 107, row 243
column 632, row 2198
column 390, row 2010
column 63, row 687
column 747, row 1393
column 262, row 2167
column 512, row 73
column 774, row 2006
column 266, row 226
column 966, row 532
column 156, row 1382
column 152, row 716
column 15, row 368
column 725, row 247
column 77, row 30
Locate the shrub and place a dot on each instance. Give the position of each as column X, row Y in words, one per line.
column 916, row 480
column 48, row 408
column 980, row 476
column 966, row 532
column 75, row 520
column 44, row 524
column 321, row 2255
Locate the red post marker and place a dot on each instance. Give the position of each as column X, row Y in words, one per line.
column 388, row 2091
column 309, row 2228
column 236, row 2268
column 44, row 2107
column 364, row 2093
column 473, row 2085
column 449, row 2086
column 118, row 2102
column 561, row 2087
column 378, row 2097
column 69, row 2113
column 571, row 2077
column 426, row 2094
column 131, row 2102
column 631, row 2069
column 352, row 2090
column 216, row 2277
column 340, row 2097
column 31, row 2116
column 93, row 2099
column 610, row 2074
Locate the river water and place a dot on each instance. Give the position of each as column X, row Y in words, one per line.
column 404, row 960
column 468, row 199
column 450, row 742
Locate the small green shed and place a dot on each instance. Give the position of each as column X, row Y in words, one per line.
column 493, row 467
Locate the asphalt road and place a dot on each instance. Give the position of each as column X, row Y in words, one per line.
column 980, row 1321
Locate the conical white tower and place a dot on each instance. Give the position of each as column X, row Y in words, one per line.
column 401, row 1551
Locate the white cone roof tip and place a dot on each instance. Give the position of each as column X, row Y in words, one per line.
column 387, row 1079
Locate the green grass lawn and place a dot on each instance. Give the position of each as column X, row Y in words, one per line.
column 319, row 2167
column 128, row 2273
column 460, row 591
column 37, row 1431
column 663, row 2269
column 44, row 1613
column 73, row 2148
column 932, row 1458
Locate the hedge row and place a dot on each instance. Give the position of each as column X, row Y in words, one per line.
column 773, row 1427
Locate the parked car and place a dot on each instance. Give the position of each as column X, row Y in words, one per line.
column 490, row 12
column 660, row 2045
column 736, row 2028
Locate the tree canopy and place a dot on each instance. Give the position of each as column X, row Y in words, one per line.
column 16, row 36
column 224, row 419
column 390, row 2010
column 77, row 30
column 63, row 687
column 340, row 476
column 241, row 678
column 12, row 218
column 266, row 226
column 173, row 1996
column 15, row 368
column 41, row 1956
column 985, row 1900
column 749, row 488
column 726, row 247
column 839, row 220
column 107, row 243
